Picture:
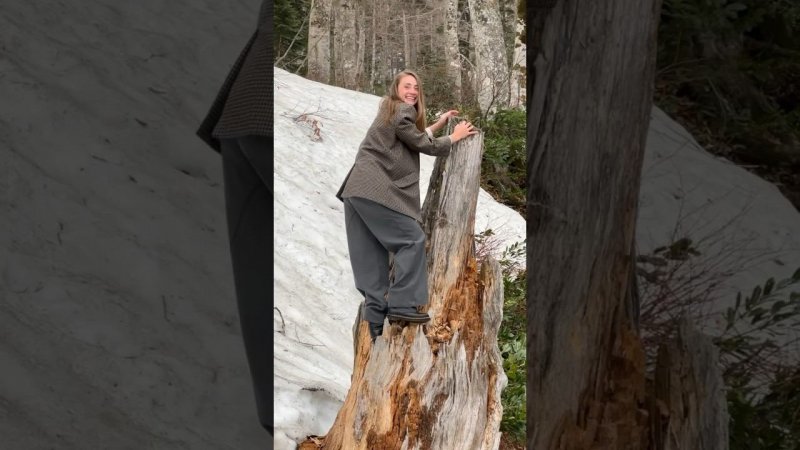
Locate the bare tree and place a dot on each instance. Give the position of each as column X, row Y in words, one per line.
column 361, row 45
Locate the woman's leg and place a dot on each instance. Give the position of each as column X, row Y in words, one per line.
column 403, row 236
column 370, row 262
column 246, row 163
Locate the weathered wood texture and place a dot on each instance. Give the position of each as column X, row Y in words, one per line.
column 691, row 412
column 449, row 218
column 591, row 70
column 491, row 63
column 435, row 386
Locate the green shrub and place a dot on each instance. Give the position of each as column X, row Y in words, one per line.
column 763, row 385
column 504, row 169
column 758, row 335
column 512, row 343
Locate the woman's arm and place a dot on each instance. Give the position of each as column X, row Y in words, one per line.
column 416, row 140
column 420, row 141
column 442, row 121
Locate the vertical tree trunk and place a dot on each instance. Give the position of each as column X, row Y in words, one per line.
column 406, row 45
column 451, row 54
column 361, row 48
column 319, row 30
column 491, row 63
column 516, row 80
column 466, row 52
column 435, row 386
column 332, row 56
column 384, row 55
column 373, row 65
column 349, row 43
column 372, row 62
column 588, row 115
column 387, row 55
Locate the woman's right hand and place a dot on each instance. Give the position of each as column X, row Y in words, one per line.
column 462, row 130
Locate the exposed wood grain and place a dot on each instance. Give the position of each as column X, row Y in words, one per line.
column 591, row 68
column 690, row 390
column 435, row 386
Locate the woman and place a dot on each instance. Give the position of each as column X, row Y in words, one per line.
column 382, row 204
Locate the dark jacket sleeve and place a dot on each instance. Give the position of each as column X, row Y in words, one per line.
column 416, row 140
column 206, row 130
column 243, row 105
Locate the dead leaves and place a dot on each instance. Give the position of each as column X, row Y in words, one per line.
column 313, row 124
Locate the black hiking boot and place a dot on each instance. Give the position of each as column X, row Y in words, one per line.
column 407, row 315
column 375, row 330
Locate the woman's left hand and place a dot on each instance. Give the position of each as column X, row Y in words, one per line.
column 442, row 120
column 452, row 113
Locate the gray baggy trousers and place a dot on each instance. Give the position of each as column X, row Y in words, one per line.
column 247, row 170
column 374, row 231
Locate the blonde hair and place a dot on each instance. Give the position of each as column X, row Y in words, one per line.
column 390, row 101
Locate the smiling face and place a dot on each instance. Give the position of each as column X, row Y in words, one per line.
column 408, row 89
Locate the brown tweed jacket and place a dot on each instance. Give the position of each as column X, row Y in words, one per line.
column 244, row 103
column 386, row 169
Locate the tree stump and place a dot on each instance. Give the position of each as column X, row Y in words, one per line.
column 437, row 385
column 691, row 409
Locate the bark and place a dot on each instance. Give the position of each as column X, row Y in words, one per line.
column 516, row 80
column 451, row 54
column 406, row 46
column 691, row 410
column 372, row 61
column 360, row 76
column 466, row 52
column 348, row 43
column 434, row 386
column 381, row 61
column 332, row 56
column 589, row 104
column 491, row 63
column 319, row 42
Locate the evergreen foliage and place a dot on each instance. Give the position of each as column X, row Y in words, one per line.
column 512, row 343
column 291, row 24
column 763, row 388
column 504, row 169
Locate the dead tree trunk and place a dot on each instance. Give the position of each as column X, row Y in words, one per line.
column 592, row 70
column 690, row 408
column 435, row 386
